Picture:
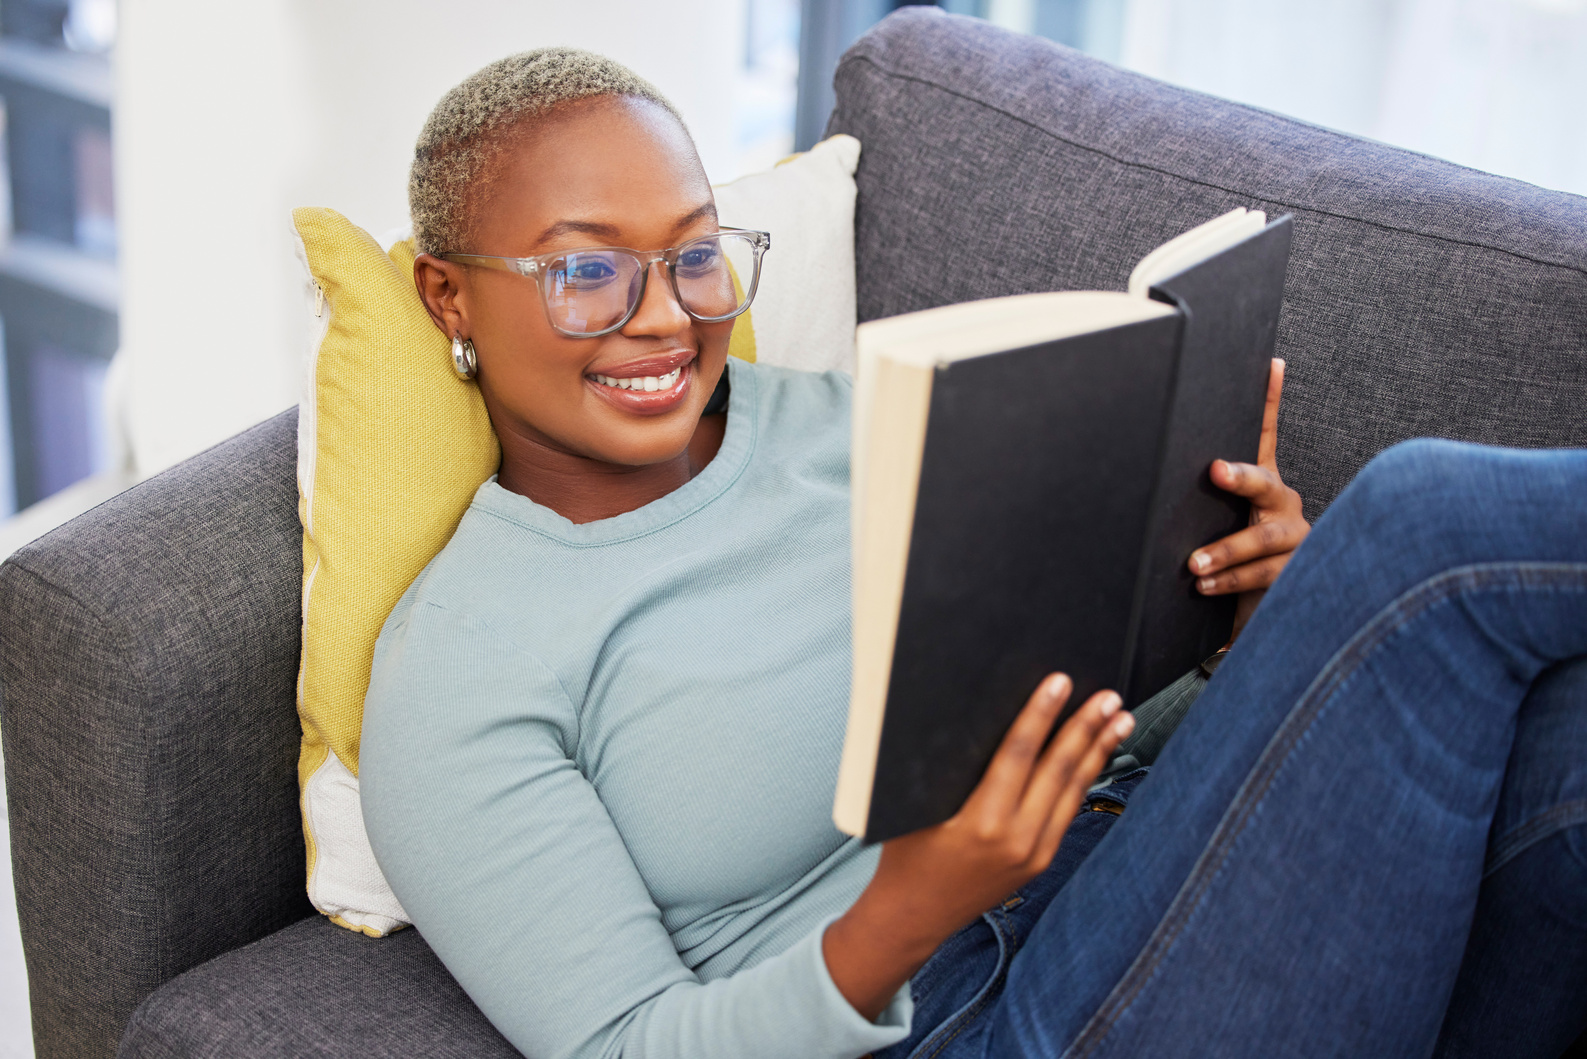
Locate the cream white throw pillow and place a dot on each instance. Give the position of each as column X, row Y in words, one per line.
column 804, row 309
column 392, row 445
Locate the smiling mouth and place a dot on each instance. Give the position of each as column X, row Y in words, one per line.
column 645, row 383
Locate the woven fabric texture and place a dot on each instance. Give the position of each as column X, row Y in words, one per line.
column 314, row 989
column 147, row 654
column 1422, row 298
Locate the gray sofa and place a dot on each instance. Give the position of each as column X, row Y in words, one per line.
column 148, row 649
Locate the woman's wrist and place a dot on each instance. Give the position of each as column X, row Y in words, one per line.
column 873, row 949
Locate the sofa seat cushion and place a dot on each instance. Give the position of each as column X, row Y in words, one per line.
column 314, row 989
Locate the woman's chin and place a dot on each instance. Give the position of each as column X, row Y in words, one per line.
column 654, row 433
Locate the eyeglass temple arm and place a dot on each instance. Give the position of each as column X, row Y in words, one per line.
column 518, row 266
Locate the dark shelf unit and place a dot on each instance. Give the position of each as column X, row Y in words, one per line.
column 58, row 283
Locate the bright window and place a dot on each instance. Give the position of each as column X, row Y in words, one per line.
column 1493, row 84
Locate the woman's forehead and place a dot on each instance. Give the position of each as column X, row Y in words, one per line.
column 614, row 171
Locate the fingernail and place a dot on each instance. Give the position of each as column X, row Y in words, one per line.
column 1207, row 584
column 1057, row 686
column 1124, row 725
column 1200, row 561
column 1110, row 704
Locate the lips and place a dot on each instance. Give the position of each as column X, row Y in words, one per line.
column 647, row 385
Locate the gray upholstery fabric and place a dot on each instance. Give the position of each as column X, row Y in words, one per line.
column 148, row 656
column 315, row 989
column 1422, row 298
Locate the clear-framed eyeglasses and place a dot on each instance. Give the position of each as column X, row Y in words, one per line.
column 595, row 290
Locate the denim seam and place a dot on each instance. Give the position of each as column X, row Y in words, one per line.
column 1520, row 839
column 1411, row 604
column 960, row 1020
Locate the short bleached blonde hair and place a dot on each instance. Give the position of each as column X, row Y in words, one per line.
column 467, row 130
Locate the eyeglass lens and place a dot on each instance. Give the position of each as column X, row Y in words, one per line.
column 592, row 290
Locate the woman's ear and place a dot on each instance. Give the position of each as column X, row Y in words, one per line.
column 440, row 285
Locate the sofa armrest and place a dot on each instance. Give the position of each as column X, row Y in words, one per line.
column 148, row 660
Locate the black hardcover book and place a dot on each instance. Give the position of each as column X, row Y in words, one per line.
column 1030, row 477
column 1230, row 306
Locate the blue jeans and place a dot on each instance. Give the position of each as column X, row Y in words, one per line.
column 1368, row 837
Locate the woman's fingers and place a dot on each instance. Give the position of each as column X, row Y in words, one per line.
column 1067, row 800
column 1086, row 738
column 1246, row 577
column 1270, row 537
column 1267, row 450
column 1278, row 525
column 1000, row 789
column 1260, row 485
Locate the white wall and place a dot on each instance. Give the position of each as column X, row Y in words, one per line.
column 230, row 114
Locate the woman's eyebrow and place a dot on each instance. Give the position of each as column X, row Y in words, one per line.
column 612, row 234
column 608, row 232
column 699, row 213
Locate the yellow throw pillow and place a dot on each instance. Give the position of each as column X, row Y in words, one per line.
column 392, row 446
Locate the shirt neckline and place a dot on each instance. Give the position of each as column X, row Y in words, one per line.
column 738, row 444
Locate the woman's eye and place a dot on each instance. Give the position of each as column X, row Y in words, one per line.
column 591, row 271
column 698, row 258
column 587, row 271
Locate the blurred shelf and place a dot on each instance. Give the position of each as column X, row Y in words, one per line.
column 84, row 78
column 63, row 269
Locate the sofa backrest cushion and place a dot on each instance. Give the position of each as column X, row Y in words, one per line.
column 1422, row 298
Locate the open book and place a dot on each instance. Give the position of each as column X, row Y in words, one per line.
column 1029, row 478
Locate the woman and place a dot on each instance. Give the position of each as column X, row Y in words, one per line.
column 603, row 725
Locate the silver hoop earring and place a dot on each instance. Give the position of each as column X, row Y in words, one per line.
column 464, row 361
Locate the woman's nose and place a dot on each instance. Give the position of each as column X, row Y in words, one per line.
column 659, row 313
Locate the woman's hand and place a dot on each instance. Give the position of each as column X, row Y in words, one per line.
column 1249, row 561
column 934, row 881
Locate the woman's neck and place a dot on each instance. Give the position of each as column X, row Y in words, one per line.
column 582, row 490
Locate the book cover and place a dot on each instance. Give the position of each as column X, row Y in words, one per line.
column 1029, row 523
column 1230, row 304
column 1030, row 478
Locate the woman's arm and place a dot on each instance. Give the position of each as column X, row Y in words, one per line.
column 934, row 881
column 507, row 860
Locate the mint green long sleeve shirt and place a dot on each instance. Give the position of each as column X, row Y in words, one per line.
column 598, row 760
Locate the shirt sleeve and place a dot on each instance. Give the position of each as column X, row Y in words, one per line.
column 506, row 860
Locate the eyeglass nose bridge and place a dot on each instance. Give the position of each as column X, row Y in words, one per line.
column 646, row 260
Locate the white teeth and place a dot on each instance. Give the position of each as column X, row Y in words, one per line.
column 646, row 383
